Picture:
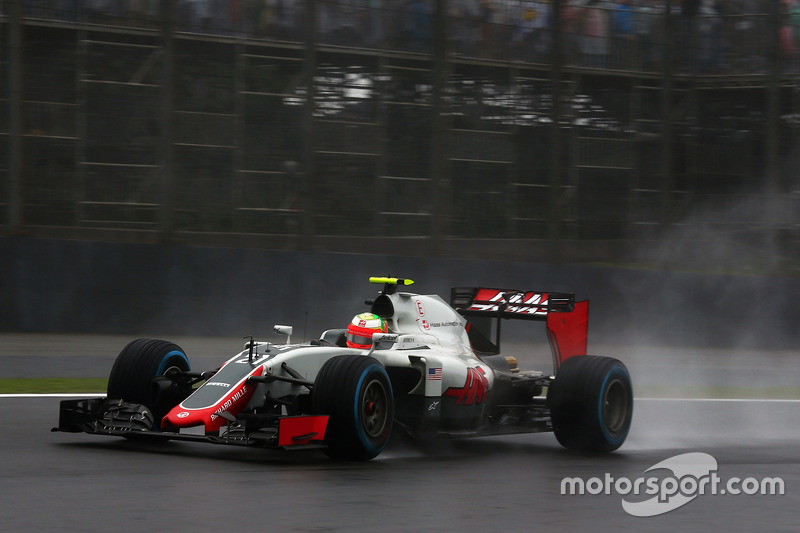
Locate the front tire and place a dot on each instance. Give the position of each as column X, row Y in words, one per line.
column 133, row 376
column 591, row 403
column 355, row 391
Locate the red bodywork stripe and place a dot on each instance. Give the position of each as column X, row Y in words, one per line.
column 297, row 430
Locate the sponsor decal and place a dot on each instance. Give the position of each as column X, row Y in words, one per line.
column 435, row 374
column 230, row 401
column 428, row 325
column 420, row 309
column 217, row 384
column 532, row 303
column 474, row 389
column 183, row 414
column 690, row 475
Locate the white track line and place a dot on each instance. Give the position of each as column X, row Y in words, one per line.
column 55, row 395
column 748, row 400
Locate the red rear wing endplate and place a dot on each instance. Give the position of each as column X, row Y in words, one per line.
column 568, row 332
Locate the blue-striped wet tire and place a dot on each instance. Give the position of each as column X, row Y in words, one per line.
column 137, row 365
column 355, row 392
column 591, row 403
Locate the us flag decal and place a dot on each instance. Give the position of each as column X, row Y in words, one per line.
column 435, row 374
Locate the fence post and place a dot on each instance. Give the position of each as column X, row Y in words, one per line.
column 309, row 189
column 773, row 111
column 667, row 145
column 15, row 101
column 439, row 143
column 167, row 141
column 557, row 194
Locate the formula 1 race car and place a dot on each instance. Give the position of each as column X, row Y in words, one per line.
column 413, row 363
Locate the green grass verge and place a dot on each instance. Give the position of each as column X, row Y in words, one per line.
column 53, row 385
column 99, row 385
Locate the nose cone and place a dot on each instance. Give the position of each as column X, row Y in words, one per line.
column 180, row 417
column 206, row 405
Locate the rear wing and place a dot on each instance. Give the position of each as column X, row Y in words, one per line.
column 567, row 320
column 509, row 303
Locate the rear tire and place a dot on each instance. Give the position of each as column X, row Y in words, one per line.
column 137, row 365
column 355, row 391
column 591, row 403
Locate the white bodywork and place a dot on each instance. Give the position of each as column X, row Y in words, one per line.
column 428, row 336
column 431, row 335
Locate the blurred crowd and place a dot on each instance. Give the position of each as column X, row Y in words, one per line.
column 703, row 36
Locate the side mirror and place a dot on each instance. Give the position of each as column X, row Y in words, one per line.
column 284, row 330
column 387, row 338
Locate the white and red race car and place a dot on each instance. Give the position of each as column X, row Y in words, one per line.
column 433, row 372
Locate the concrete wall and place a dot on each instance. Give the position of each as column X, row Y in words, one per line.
column 80, row 286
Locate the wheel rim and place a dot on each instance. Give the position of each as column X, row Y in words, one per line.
column 615, row 406
column 374, row 408
column 175, row 370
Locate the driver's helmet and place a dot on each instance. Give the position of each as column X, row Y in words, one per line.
column 361, row 328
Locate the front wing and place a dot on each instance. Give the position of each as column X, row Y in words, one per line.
column 101, row 416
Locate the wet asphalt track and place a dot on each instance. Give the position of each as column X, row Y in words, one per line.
column 74, row 482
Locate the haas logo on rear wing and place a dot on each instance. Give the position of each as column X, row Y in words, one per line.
column 536, row 304
column 514, row 302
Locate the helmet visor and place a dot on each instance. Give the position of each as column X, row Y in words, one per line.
column 359, row 339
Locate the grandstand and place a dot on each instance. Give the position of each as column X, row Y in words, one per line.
column 505, row 128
